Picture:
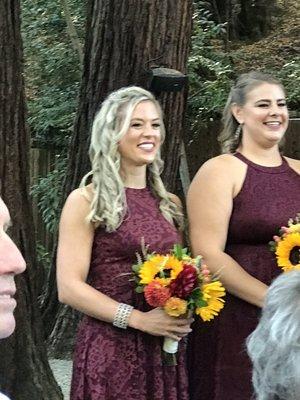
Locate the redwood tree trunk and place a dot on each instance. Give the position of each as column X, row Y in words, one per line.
column 24, row 370
column 124, row 38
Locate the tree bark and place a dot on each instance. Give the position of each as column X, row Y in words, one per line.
column 72, row 31
column 24, row 370
column 247, row 19
column 122, row 38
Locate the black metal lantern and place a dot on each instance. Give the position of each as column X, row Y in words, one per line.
column 166, row 80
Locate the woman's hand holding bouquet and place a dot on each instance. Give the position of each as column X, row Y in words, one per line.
column 157, row 322
column 177, row 286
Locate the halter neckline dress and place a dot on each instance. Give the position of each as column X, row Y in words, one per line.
column 219, row 368
column 111, row 363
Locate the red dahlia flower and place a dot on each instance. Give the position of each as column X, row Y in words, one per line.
column 185, row 282
column 156, row 295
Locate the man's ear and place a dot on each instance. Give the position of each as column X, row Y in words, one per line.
column 237, row 112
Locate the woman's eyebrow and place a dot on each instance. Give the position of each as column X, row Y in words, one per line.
column 268, row 100
column 141, row 119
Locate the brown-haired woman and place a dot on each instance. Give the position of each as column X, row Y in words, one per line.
column 236, row 203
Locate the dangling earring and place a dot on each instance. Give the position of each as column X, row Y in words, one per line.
column 238, row 132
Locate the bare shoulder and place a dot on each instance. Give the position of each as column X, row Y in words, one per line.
column 219, row 168
column 222, row 175
column 175, row 199
column 79, row 196
column 294, row 164
column 78, row 203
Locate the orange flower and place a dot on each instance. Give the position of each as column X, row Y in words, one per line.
column 175, row 306
column 156, row 295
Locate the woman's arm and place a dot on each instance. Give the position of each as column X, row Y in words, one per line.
column 73, row 262
column 209, row 205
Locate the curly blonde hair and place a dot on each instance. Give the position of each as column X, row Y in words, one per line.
column 229, row 142
column 108, row 205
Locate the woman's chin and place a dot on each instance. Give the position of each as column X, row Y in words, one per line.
column 275, row 136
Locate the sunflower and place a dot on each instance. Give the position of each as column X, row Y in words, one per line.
column 161, row 269
column 294, row 228
column 212, row 293
column 288, row 252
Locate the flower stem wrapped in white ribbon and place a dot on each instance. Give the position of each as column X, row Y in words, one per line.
column 170, row 345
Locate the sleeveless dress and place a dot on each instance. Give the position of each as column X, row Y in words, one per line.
column 218, row 365
column 111, row 363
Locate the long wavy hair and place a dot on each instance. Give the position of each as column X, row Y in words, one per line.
column 229, row 142
column 108, row 205
column 274, row 346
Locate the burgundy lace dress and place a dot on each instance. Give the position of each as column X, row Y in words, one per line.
column 111, row 363
column 219, row 367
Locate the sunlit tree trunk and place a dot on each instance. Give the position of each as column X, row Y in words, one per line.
column 24, row 370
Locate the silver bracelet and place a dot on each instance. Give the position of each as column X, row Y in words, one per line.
column 122, row 315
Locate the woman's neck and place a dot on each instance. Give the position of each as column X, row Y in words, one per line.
column 268, row 157
column 134, row 177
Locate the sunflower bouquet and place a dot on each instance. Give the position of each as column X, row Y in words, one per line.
column 286, row 245
column 180, row 284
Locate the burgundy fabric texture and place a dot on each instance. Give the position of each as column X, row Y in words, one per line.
column 219, row 367
column 111, row 363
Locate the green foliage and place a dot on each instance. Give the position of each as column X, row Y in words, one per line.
column 52, row 68
column 136, row 268
column 272, row 246
column 179, row 252
column 43, row 256
column 139, row 289
column 196, row 299
column 290, row 77
column 48, row 192
column 209, row 68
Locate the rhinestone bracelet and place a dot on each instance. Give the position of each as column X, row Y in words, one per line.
column 122, row 315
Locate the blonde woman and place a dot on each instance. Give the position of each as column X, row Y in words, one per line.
column 118, row 347
column 236, row 203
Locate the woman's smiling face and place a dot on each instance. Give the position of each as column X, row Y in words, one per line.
column 141, row 142
column 264, row 115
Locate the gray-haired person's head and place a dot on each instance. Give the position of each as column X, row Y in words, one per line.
column 229, row 139
column 274, row 346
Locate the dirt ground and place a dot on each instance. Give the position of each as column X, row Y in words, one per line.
column 62, row 370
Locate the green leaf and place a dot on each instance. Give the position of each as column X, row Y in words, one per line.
column 198, row 261
column 177, row 251
column 136, row 268
column 201, row 303
column 197, row 298
column 272, row 246
column 196, row 293
column 139, row 289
